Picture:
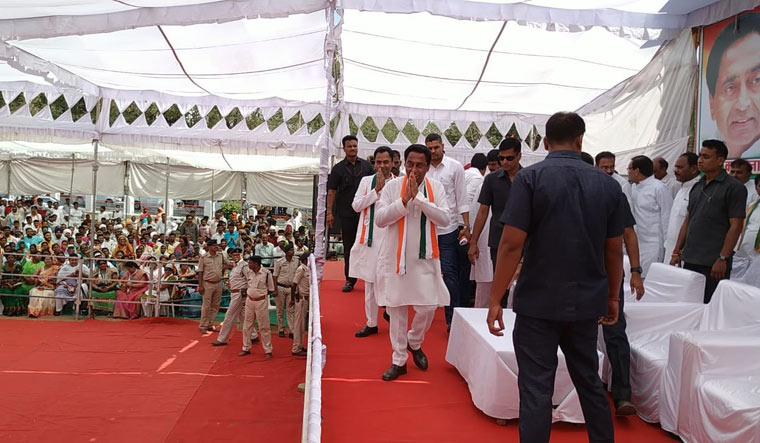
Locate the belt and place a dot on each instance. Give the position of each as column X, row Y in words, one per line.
column 259, row 298
column 235, row 291
column 212, row 282
column 284, row 285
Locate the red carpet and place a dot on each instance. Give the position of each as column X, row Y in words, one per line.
column 149, row 380
column 432, row 406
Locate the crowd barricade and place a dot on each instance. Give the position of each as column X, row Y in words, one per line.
column 315, row 361
column 189, row 302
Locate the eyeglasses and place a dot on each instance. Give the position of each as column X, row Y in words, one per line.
column 508, row 158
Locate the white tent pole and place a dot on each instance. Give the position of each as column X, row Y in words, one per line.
column 71, row 186
column 320, row 237
column 93, row 222
column 212, row 191
column 166, row 194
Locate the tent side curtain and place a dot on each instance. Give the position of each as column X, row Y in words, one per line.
column 185, row 182
column 280, row 189
column 33, row 176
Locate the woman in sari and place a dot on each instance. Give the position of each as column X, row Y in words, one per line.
column 184, row 250
column 42, row 301
column 130, row 291
column 104, row 286
column 9, row 284
column 124, row 247
column 29, row 268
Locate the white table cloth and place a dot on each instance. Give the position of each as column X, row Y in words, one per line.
column 489, row 366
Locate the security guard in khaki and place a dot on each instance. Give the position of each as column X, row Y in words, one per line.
column 284, row 271
column 210, row 271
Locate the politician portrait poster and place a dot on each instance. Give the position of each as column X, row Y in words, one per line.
column 729, row 103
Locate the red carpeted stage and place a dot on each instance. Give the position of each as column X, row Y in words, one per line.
column 148, row 380
column 432, row 406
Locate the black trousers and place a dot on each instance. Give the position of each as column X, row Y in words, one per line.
column 619, row 354
column 536, row 341
column 710, row 283
column 348, row 226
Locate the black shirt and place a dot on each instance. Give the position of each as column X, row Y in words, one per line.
column 344, row 180
column 494, row 193
column 568, row 208
column 710, row 208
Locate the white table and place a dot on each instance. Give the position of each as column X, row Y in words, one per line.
column 489, row 366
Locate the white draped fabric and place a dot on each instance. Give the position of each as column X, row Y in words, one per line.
column 289, row 189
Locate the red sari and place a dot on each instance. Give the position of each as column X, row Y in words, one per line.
column 130, row 292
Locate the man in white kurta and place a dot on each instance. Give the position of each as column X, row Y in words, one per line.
column 481, row 271
column 746, row 267
column 363, row 257
column 408, row 265
column 687, row 174
column 651, row 202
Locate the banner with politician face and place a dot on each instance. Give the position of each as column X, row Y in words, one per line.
column 729, row 102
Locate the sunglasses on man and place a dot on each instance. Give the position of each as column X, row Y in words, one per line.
column 508, row 158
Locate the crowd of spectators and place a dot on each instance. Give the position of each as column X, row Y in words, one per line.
column 122, row 264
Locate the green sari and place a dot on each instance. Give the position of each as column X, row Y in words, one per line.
column 9, row 287
column 104, row 279
column 29, row 268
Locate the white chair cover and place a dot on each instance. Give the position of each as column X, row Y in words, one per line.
column 649, row 329
column 733, row 305
column 666, row 284
column 676, row 392
column 489, row 366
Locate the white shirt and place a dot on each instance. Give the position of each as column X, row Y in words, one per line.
column 76, row 217
column 473, row 179
column 651, row 202
column 450, row 173
column 625, row 184
column 677, row 215
column 672, row 183
column 751, row 192
column 165, row 228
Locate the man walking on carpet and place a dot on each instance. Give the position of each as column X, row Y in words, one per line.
column 364, row 252
column 412, row 208
column 569, row 217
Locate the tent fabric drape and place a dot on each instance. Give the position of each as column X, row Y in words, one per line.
column 32, row 176
column 185, row 183
column 287, row 189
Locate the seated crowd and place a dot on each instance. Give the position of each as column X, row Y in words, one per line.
column 46, row 255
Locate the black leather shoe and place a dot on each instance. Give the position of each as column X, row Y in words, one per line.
column 394, row 372
column 299, row 353
column 625, row 407
column 419, row 357
column 348, row 287
column 366, row 331
column 290, row 335
column 281, row 334
column 218, row 343
column 386, row 317
column 244, row 353
column 255, row 340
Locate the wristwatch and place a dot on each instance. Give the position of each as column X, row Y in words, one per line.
column 636, row 269
column 722, row 258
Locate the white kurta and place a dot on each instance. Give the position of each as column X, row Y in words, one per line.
column 482, row 270
column 677, row 215
column 746, row 266
column 363, row 260
column 672, row 184
column 751, row 192
column 422, row 284
column 651, row 202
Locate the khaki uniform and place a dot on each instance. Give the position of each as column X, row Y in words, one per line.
column 257, row 307
column 284, row 271
column 234, row 313
column 213, row 270
column 302, row 280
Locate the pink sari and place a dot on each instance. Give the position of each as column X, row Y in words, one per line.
column 131, row 294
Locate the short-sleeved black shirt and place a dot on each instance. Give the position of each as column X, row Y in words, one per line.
column 710, row 208
column 344, row 179
column 569, row 209
column 494, row 193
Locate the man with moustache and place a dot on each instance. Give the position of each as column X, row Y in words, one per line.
column 687, row 175
column 364, row 250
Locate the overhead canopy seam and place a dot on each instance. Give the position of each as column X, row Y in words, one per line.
column 179, row 62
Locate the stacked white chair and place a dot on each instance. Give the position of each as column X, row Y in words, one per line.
column 672, row 302
column 710, row 389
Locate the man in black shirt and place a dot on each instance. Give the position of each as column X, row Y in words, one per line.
column 494, row 196
column 341, row 186
column 569, row 218
column 714, row 219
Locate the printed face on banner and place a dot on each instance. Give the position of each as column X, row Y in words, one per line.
column 730, row 85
